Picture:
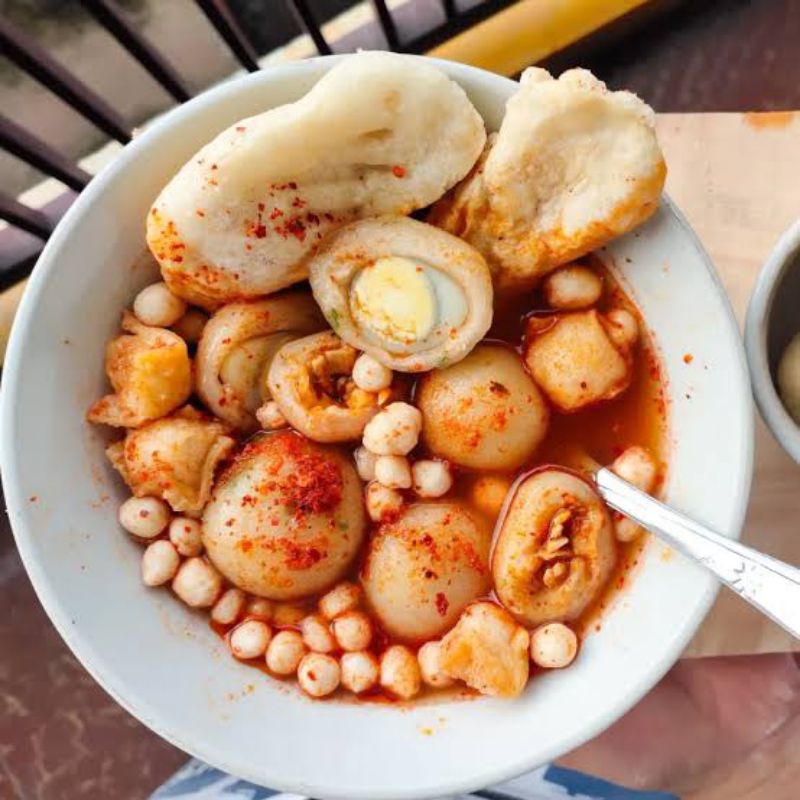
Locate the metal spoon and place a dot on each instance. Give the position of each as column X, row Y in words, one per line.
column 766, row 583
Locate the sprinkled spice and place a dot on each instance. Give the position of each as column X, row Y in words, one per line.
column 293, row 227
column 315, row 485
column 398, row 171
column 300, row 557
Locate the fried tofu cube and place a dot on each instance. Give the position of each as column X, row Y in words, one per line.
column 487, row 650
column 150, row 372
column 574, row 360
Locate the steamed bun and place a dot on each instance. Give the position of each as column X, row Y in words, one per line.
column 379, row 134
column 573, row 166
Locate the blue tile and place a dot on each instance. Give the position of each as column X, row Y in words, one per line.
column 577, row 783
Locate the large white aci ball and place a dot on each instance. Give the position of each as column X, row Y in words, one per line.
column 424, row 568
column 484, row 412
column 286, row 519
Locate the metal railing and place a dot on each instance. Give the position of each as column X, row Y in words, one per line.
column 18, row 249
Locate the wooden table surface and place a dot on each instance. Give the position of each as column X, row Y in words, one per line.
column 735, row 176
column 62, row 738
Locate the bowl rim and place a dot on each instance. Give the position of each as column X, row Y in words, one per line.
column 79, row 644
column 759, row 313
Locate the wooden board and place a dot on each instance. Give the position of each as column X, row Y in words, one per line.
column 736, row 178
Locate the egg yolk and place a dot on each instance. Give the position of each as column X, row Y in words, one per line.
column 395, row 299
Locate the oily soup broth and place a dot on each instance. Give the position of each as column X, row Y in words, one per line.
column 319, row 469
column 637, row 417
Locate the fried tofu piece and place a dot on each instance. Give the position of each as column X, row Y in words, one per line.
column 487, row 650
column 578, row 359
column 150, row 372
column 174, row 458
column 573, row 166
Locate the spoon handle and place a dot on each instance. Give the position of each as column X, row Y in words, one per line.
column 770, row 585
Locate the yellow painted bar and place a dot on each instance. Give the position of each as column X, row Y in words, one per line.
column 9, row 300
column 529, row 31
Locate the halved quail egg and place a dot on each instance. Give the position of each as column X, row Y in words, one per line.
column 410, row 295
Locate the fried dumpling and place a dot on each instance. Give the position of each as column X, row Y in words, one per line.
column 150, row 372
column 173, row 458
column 573, row 166
column 410, row 295
column 379, row 134
column 554, row 548
column 238, row 345
column 311, row 381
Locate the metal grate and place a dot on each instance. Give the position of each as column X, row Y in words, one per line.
column 108, row 14
column 220, row 17
column 17, row 250
column 305, row 17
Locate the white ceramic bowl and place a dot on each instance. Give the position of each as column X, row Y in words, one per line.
column 771, row 324
column 164, row 664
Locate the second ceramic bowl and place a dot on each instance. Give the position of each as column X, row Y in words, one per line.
column 772, row 321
